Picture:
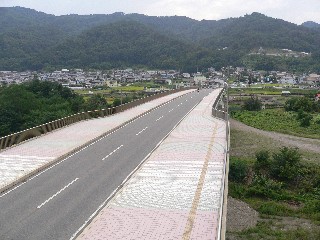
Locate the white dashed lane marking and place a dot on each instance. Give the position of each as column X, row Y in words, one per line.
column 142, row 131
column 54, row 195
column 159, row 118
column 112, row 152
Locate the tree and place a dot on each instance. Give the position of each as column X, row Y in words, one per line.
column 300, row 103
column 252, row 104
column 34, row 103
column 116, row 102
column 96, row 102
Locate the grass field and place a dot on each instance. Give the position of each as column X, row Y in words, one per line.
column 271, row 91
column 278, row 120
column 279, row 230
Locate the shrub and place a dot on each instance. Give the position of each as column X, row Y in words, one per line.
column 301, row 114
column 237, row 190
column 262, row 163
column 306, row 120
column 252, row 104
column 265, row 188
column 116, row 102
column 317, row 119
column 238, row 170
column 285, row 164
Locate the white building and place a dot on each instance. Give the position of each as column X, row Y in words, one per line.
column 199, row 79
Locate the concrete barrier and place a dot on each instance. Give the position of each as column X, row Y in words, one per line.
column 222, row 112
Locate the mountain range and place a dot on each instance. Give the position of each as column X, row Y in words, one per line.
column 38, row 41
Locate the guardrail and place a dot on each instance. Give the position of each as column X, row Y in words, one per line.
column 222, row 113
column 16, row 138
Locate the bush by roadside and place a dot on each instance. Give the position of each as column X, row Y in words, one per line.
column 277, row 184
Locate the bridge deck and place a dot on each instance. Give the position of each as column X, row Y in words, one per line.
column 177, row 192
column 21, row 160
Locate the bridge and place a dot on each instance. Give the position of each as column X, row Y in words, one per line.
column 154, row 171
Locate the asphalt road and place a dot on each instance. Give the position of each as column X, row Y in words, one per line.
column 57, row 202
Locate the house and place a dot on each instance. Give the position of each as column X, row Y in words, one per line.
column 186, row 75
column 240, row 69
column 111, row 83
column 312, row 79
column 317, row 97
column 160, row 81
column 287, row 80
column 199, row 79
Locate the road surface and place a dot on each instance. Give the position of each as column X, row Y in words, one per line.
column 55, row 203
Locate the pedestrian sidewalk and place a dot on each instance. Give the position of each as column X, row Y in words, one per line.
column 177, row 193
column 18, row 162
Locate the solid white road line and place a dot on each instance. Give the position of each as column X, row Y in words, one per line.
column 54, row 195
column 112, row 152
column 141, row 131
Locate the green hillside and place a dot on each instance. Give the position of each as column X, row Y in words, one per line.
column 120, row 44
column 34, row 40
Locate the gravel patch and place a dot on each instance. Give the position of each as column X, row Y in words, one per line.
column 240, row 215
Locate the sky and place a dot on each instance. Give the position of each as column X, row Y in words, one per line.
column 295, row 11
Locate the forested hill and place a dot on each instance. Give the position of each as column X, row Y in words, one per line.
column 34, row 40
column 312, row 25
column 257, row 30
column 120, row 44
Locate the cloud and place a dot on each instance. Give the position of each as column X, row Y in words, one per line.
column 290, row 10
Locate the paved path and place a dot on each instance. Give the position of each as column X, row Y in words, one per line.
column 177, row 192
column 21, row 160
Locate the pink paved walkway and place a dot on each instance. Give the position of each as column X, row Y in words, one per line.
column 177, row 192
column 21, row 160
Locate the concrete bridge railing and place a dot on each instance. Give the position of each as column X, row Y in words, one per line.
column 220, row 110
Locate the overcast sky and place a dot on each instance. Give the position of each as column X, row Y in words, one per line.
column 295, row 11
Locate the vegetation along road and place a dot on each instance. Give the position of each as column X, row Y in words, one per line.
column 274, row 177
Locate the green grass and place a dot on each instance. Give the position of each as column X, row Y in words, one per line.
column 270, row 229
column 264, row 91
column 94, row 91
column 277, row 120
column 271, row 91
column 129, row 88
